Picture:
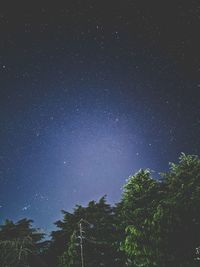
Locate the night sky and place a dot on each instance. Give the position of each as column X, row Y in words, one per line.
column 90, row 92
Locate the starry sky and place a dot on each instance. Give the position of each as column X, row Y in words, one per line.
column 90, row 92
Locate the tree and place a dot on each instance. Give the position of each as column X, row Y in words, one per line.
column 140, row 196
column 100, row 237
column 22, row 229
column 14, row 253
column 60, row 238
column 177, row 217
column 71, row 256
column 19, row 244
column 163, row 218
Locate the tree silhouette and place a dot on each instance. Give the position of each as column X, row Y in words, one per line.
column 163, row 218
column 99, row 236
column 19, row 244
column 156, row 223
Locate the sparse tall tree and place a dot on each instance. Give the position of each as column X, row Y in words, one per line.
column 100, row 237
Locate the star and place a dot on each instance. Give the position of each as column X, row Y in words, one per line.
column 106, row 96
column 25, row 208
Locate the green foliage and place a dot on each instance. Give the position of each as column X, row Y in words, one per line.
column 22, row 229
column 70, row 257
column 19, row 244
column 138, row 201
column 163, row 218
column 100, row 237
column 15, row 253
column 156, row 223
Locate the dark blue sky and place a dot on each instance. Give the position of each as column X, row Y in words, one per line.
column 89, row 94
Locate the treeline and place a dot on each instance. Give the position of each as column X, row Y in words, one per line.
column 156, row 223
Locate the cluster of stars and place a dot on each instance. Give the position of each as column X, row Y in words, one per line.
column 91, row 96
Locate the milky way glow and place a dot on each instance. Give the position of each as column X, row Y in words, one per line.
column 89, row 95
